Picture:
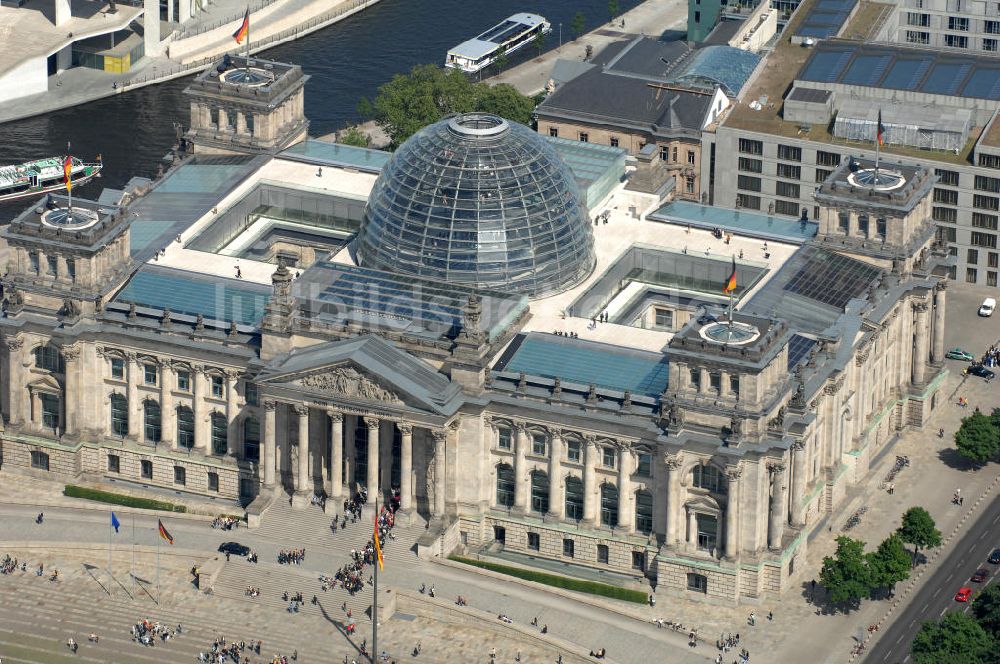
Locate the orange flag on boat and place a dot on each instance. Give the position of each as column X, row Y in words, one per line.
column 244, row 28
column 378, row 546
column 68, row 172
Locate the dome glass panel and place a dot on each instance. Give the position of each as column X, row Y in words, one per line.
column 478, row 201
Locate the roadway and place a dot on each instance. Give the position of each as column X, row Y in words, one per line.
column 937, row 596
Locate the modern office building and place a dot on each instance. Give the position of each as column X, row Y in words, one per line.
column 962, row 25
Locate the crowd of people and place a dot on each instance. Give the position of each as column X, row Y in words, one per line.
column 991, row 357
column 239, row 651
column 9, row 565
column 350, row 577
column 225, row 522
column 291, row 556
column 146, row 632
column 252, row 591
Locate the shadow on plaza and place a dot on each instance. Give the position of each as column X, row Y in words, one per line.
column 951, row 457
column 339, row 625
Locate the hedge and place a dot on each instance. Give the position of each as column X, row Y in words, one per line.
column 579, row 585
column 74, row 491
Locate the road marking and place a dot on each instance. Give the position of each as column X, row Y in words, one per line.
column 949, row 576
column 936, row 592
column 943, row 611
column 923, row 608
column 906, row 660
column 973, row 547
column 899, row 639
column 996, row 519
column 911, row 623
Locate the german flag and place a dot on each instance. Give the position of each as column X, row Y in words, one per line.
column 378, row 546
column 164, row 534
column 244, row 28
column 730, row 285
column 880, row 132
column 68, row 172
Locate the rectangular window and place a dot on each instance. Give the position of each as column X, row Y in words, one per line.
column 673, row 154
column 639, row 560
column 947, row 215
column 114, row 463
column 983, row 220
column 609, row 455
column 990, row 45
column 664, row 318
column 534, row 541
column 956, row 41
column 827, row 158
column 786, row 189
column 987, row 240
column 750, row 146
column 880, row 227
column 918, row 37
column 251, row 393
column 695, row 375
column 217, row 387
column 985, row 202
column 53, row 265
column 715, row 381
column 33, row 262
column 213, row 481
column 554, row 132
column 751, row 165
column 118, row 368
column 538, row 444
column 786, row 207
column 573, row 451
column 644, row 468
column 39, row 460
column 991, row 279
column 180, row 475
column 602, row 554
column 972, row 256
column 789, row 153
column 149, row 373
column 946, row 196
column 614, row 142
column 568, row 548
column 664, row 153
column 844, row 222
column 183, row 381
column 734, row 385
column 146, row 469
column 863, row 225
column 991, row 27
column 822, row 174
column 949, row 178
column 959, row 23
column 993, row 259
column 986, row 183
column 691, row 157
column 747, row 182
column 946, row 234
column 71, row 269
column 971, row 275
column 748, row 201
column 789, row 171
column 918, row 19
column 689, row 184
column 584, row 137
column 503, row 438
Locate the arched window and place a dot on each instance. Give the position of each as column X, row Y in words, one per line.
column 708, row 477
column 119, row 415
column 643, row 512
column 47, row 357
column 609, row 505
column 539, row 492
column 151, row 421
column 220, row 434
column 505, row 486
column 574, row 498
column 185, row 427
column 251, row 439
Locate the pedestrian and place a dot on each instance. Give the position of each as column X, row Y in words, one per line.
column 770, row 616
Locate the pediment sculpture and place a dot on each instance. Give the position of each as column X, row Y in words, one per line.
column 349, row 382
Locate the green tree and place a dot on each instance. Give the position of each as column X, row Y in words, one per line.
column 504, row 100
column 978, row 438
column 957, row 639
column 918, row 529
column 613, row 9
column 578, row 25
column 846, row 574
column 353, row 136
column 501, row 60
column 890, row 563
column 986, row 608
column 364, row 109
column 539, row 42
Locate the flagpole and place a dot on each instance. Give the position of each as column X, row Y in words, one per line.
column 878, row 143
column 111, row 577
column 374, row 652
column 133, row 555
column 158, row 538
column 248, row 43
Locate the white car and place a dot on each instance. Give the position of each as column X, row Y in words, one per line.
column 987, row 307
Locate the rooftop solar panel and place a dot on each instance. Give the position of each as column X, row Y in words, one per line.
column 825, row 66
column 798, row 348
column 906, row 74
column 984, row 83
column 946, row 77
column 866, row 69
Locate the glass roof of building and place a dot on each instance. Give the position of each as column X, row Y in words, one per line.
column 798, row 347
column 337, row 154
column 904, row 68
column 723, row 65
column 587, row 362
column 199, row 178
column 741, row 222
column 588, row 161
column 825, row 18
column 190, row 293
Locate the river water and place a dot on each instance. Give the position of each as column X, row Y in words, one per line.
column 346, row 61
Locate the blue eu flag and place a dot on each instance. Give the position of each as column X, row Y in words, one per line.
column 115, row 522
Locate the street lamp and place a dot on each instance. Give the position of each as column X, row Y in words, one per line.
column 560, row 35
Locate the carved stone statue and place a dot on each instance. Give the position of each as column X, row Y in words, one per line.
column 70, row 308
column 736, row 426
column 349, row 382
column 778, row 421
column 627, row 400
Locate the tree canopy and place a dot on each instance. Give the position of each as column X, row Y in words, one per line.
column 410, row 102
column 353, row 136
column 986, row 608
column 957, row 639
column 890, row 563
column 578, row 25
column 978, row 438
column 846, row 574
column 919, row 530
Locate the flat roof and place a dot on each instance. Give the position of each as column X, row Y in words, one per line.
column 742, row 222
column 825, row 18
column 322, row 153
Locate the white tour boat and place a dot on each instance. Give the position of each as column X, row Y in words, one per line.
column 506, row 37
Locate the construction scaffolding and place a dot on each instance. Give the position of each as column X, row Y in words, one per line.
column 927, row 127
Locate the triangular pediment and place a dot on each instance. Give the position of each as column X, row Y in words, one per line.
column 348, row 380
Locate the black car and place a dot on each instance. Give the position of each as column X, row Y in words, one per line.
column 981, row 371
column 994, row 557
column 234, row 548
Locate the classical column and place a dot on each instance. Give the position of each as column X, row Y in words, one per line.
column 521, row 485
column 798, row 482
column 132, row 392
column 302, row 481
column 920, row 348
column 373, row 426
column 692, row 530
column 386, row 433
column 557, row 500
column 673, row 464
column 350, row 452
column 940, row 290
column 626, row 520
column 72, row 393
column 198, row 378
column 232, row 410
column 406, row 466
column 16, row 384
column 440, row 469
column 732, row 510
column 336, row 478
column 776, row 516
column 589, row 481
column 168, row 422
column 269, row 446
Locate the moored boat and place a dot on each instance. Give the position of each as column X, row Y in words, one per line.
column 42, row 176
column 509, row 35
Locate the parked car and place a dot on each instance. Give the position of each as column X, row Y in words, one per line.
column 982, row 372
column 987, row 307
column 959, row 354
column 981, row 575
column 963, row 594
column 994, row 557
column 234, row 548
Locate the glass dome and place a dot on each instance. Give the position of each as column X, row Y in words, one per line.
column 478, row 201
